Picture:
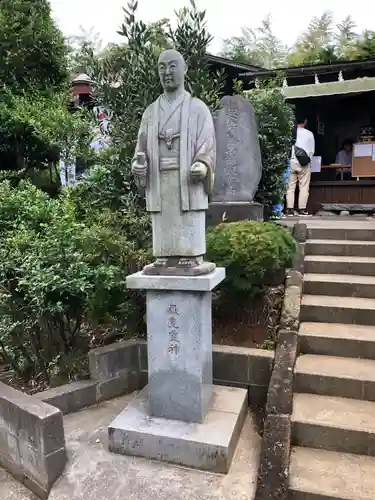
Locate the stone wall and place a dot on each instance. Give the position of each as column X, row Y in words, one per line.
column 32, row 442
column 115, row 369
column 273, row 475
column 122, row 368
column 233, row 366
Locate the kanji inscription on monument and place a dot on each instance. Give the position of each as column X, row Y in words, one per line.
column 239, row 162
column 230, row 155
column 173, row 331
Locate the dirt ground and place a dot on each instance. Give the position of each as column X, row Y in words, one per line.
column 250, row 323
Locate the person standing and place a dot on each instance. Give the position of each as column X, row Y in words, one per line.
column 300, row 171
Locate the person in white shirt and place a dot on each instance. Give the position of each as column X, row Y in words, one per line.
column 299, row 174
column 345, row 158
column 345, row 155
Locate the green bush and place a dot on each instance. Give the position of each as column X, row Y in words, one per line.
column 275, row 120
column 253, row 253
column 60, row 277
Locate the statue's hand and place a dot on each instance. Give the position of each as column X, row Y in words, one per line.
column 139, row 170
column 198, row 171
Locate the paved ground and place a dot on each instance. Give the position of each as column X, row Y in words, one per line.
column 10, row 489
column 95, row 474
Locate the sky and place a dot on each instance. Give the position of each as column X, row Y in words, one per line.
column 289, row 17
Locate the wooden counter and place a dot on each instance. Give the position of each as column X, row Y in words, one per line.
column 351, row 191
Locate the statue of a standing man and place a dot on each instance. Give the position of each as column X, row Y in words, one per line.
column 174, row 162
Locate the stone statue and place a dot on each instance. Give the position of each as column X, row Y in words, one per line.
column 174, row 165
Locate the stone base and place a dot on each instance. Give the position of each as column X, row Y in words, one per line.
column 203, row 283
column 207, row 446
column 233, row 212
column 350, row 208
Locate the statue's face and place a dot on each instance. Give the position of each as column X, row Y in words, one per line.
column 171, row 70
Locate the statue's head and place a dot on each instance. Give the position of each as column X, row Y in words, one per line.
column 171, row 67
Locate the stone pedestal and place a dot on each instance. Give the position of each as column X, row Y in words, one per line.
column 180, row 416
column 207, row 446
column 179, row 338
column 233, row 212
column 180, row 359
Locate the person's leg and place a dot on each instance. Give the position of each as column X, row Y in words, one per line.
column 292, row 183
column 304, row 187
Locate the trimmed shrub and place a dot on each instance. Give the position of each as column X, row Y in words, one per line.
column 253, row 253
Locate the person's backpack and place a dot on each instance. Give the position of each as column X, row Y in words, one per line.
column 302, row 157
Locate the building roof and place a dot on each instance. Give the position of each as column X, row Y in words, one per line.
column 230, row 63
column 82, row 78
column 313, row 69
column 357, row 86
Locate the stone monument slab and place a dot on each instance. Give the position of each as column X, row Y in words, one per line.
column 208, row 446
column 238, row 155
column 238, row 163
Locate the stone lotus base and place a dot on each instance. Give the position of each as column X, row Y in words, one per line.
column 207, row 446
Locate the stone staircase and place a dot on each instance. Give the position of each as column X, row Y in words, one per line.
column 333, row 421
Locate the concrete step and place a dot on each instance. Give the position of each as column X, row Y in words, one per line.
column 330, row 339
column 333, row 309
column 334, row 424
column 335, row 376
column 366, row 233
column 327, row 475
column 341, row 248
column 340, row 285
column 334, row 264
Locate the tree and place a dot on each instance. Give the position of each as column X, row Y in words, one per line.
column 365, row 46
column 87, row 53
column 36, row 129
column 33, row 73
column 239, row 48
column 86, row 37
column 317, row 43
column 32, row 49
column 272, row 50
column 192, row 38
column 259, row 47
column 322, row 42
column 83, row 52
column 346, row 38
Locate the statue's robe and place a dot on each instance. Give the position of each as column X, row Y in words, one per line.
column 174, row 135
